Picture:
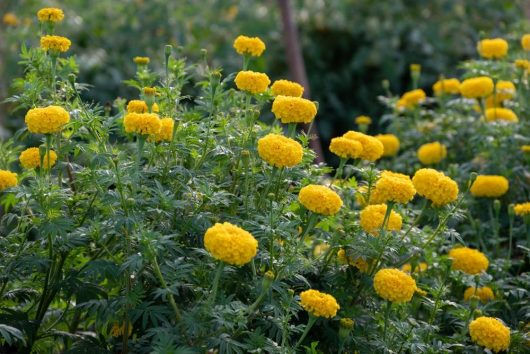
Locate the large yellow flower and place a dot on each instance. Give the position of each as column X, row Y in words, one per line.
column 431, row 153
column 8, row 179
column 435, row 186
column 392, row 187
column 489, row 186
column 280, row 151
column 411, row 99
column 252, row 46
column 468, row 260
column 30, row 158
column 476, row 87
column 230, row 244
column 485, row 293
column 287, row 88
column 251, row 81
column 372, row 217
column 373, row 149
column 491, row 333
column 142, row 123
column 293, row 109
column 320, row 199
column 394, row 285
column 55, row 43
column 46, row 120
column 166, row 130
column 446, row 86
column 525, row 42
column 319, row 304
column 492, row 48
column 390, row 144
column 50, row 14
column 345, row 148
column 501, row 114
column 522, row 209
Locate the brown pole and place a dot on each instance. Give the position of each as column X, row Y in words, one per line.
column 295, row 61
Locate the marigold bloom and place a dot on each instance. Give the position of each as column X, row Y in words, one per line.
column 485, row 293
column 358, row 263
column 392, row 187
column 431, row 153
column 522, row 64
column 373, row 149
column 142, row 123
column 50, row 14
column 419, row 268
column 280, row 151
column 446, row 86
column 252, row 82
column 166, row 130
column 504, row 114
column 230, row 244
column 55, row 43
column 46, row 120
column 522, row 209
column 525, row 148
column 8, row 179
column 252, row 46
column 468, row 260
column 141, row 60
column 320, row 199
column 287, row 88
column 491, row 333
column 149, row 91
column 30, row 158
column 138, row 106
column 394, row 285
column 10, row 19
column 390, row 144
column 411, row 99
column 372, row 217
column 525, row 42
column 504, row 90
column 492, row 48
column 489, row 186
column 435, row 186
column 476, row 87
column 363, row 120
column 319, row 304
column 293, row 109
column 345, row 148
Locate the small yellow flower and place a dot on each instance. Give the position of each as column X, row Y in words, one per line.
column 421, row 267
column 501, row 114
column 252, row 46
column 522, row 209
column 10, row 19
column 492, row 48
column 142, row 123
column 489, row 186
column 251, row 81
column 46, row 120
column 468, row 260
column 141, row 60
column 30, row 158
column 320, row 249
column 373, row 149
column 525, row 42
column 411, row 99
column 149, row 91
column 359, row 263
column 8, row 179
column 431, row 153
column 166, row 130
column 504, row 90
column 51, row 14
column 415, row 68
column 319, row 304
column 55, row 43
column 435, row 186
column 485, row 294
column 293, row 109
column 476, row 87
column 394, row 285
column 491, row 333
column 446, row 86
column 390, row 143
column 230, row 244
column 138, row 106
column 372, row 217
column 320, row 199
column 280, row 151
column 287, row 88
column 525, row 148
column 522, row 64
column 345, row 148
column 392, row 187
column 363, row 120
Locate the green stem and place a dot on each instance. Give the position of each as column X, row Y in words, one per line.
column 140, row 142
column 292, row 130
column 387, row 315
column 338, row 173
column 310, row 322
column 170, row 297
column 311, row 221
column 382, row 234
column 215, row 284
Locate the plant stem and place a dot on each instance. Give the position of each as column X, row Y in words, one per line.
column 387, row 315
column 310, row 322
column 215, row 284
column 170, row 297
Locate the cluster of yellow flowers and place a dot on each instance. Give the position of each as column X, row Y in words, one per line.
column 287, row 88
column 468, row 260
column 372, row 150
column 142, row 123
column 230, row 244
column 431, row 153
column 489, row 186
column 10, row 19
column 46, row 120
column 8, row 179
column 485, row 293
column 490, row 333
column 504, row 114
column 435, row 186
column 319, row 304
column 394, row 285
column 320, row 199
column 252, row 82
column 166, row 130
column 293, row 109
column 372, row 217
column 280, row 151
column 392, row 187
column 30, row 158
column 522, row 209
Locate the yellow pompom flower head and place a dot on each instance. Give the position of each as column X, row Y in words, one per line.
column 363, row 122
column 372, row 219
column 317, row 304
column 251, row 46
column 50, row 15
column 372, row 150
column 55, row 44
column 485, row 294
column 293, row 109
column 468, row 260
column 431, row 153
column 476, row 87
column 394, row 285
column 280, row 151
column 489, row 186
column 320, row 199
column 345, row 148
column 31, row 158
column 446, row 87
column 252, row 82
column 411, row 99
column 166, row 130
column 287, row 88
column 10, row 19
column 525, row 42
column 522, row 209
column 501, row 114
column 392, row 187
column 138, row 106
column 491, row 333
column 435, row 186
column 8, row 179
column 230, row 244
column 141, row 61
column 46, row 120
column 496, row 48
column 144, row 124
column 390, row 144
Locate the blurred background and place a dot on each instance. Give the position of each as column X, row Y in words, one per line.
column 349, row 46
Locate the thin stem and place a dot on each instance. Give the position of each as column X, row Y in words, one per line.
column 310, row 322
column 215, row 284
column 170, row 297
column 387, row 315
column 382, row 234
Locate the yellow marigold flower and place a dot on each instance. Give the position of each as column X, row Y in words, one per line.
column 8, row 179
column 392, row 187
column 492, row 48
column 287, row 88
column 141, row 60
column 280, row 151
column 412, row 98
column 55, row 43
column 320, row 199
column 468, row 260
column 373, row 149
column 320, row 249
column 394, row 285
column 358, row 263
column 252, row 46
column 251, row 81
column 372, row 217
column 118, row 329
column 50, row 14
column 138, row 106
column 293, row 109
column 319, row 304
column 489, row 186
column 10, row 19
column 446, row 86
column 435, row 186
column 525, row 42
column 476, row 87
column 230, row 244
column 415, row 68
column 485, row 294
column 419, row 268
column 491, row 333
column 142, row 123
column 504, row 114
column 30, row 158
column 525, row 148
column 522, row 64
column 504, row 90
column 390, row 144
column 363, row 120
column 522, row 209
column 431, row 153
column 166, row 130
column 345, row 148
column 46, row 120
column 149, row 91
